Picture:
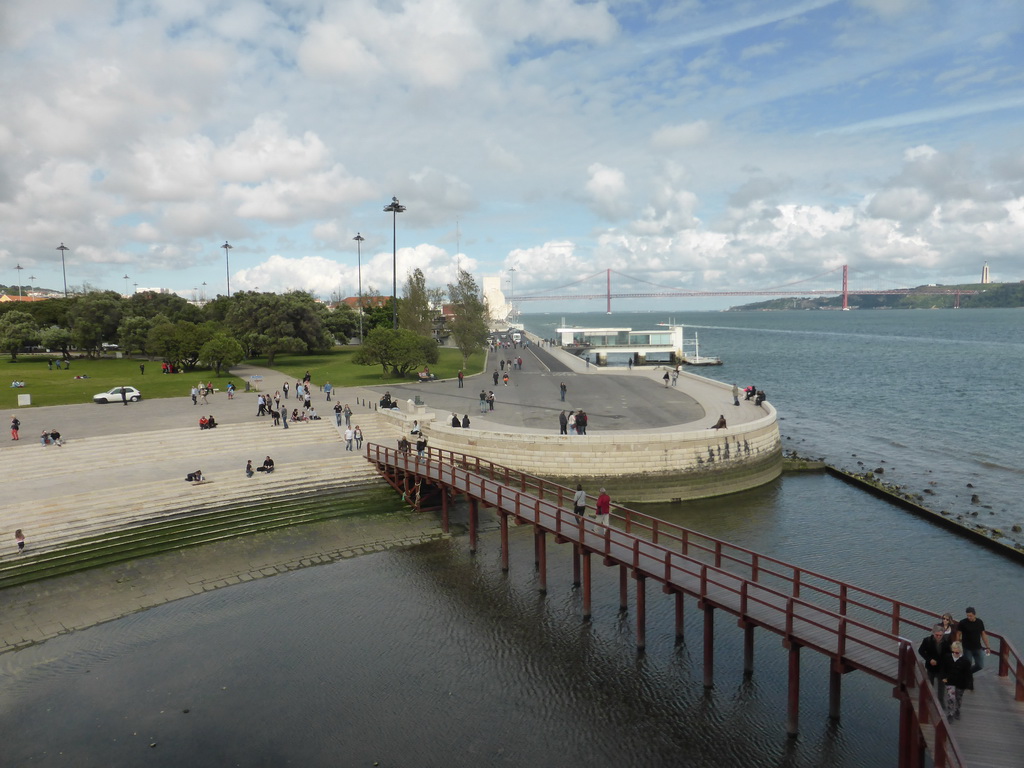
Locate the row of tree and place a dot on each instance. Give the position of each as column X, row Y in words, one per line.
column 226, row 330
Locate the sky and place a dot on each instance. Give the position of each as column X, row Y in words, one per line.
column 723, row 145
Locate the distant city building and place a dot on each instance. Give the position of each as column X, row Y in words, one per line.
column 985, row 279
column 5, row 297
column 369, row 302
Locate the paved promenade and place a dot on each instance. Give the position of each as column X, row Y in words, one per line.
column 614, row 399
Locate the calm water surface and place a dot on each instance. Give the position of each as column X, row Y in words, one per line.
column 433, row 657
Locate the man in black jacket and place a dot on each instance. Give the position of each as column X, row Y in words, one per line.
column 931, row 651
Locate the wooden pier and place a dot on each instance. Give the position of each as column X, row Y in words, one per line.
column 856, row 628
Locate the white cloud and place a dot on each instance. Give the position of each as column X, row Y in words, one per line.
column 606, row 190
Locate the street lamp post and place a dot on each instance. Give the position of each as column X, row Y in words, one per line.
column 64, row 271
column 394, row 209
column 203, row 299
column 19, row 268
column 126, row 284
column 227, row 264
column 359, row 261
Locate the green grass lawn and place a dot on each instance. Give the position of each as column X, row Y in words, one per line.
column 337, row 367
column 53, row 387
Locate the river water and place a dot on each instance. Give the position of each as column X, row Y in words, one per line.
column 433, row 657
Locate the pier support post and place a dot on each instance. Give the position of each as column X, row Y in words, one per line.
column 623, row 594
column 835, row 689
column 585, row 556
column 542, row 560
column 709, row 646
column 793, row 699
column 641, row 611
column 576, row 551
column 679, row 617
column 444, row 509
column 473, row 514
column 504, row 543
column 748, row 650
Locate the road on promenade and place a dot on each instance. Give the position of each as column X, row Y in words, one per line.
column 615, row 399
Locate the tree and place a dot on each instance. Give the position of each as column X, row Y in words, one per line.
column 133, row 332
column 400, row 350
column 56, row 338
column 287, row 323
column 149, row 304
column 221, row 351
column 94, row 318
column 179, row 343
column 342, row 322
column 469, row 326
column 414, row 309
column 17, row 330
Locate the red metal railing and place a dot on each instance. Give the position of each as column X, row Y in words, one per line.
column 816, row 610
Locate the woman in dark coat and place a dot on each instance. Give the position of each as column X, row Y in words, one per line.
column 957, row 675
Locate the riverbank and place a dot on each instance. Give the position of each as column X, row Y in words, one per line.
column 35, row 612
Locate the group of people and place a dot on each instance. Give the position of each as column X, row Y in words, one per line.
column 353, row 434
column 504, row 377
column 512, row 364
column 458, row 423
column 48, row 436
column 952, row 654
column 268, row 467
column 755, row 394
column 573, row 422
column 207, row 422
column 16, row 384
column 486, row 401
column 200, row 391
column 602, row 508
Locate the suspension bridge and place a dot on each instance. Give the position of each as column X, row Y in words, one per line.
column 788, row 289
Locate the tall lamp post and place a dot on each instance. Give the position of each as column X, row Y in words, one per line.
column 359, row 261
column 19, row 268
column 63, row 248
column 394, row 209
column 227, row 264
column 126, row 284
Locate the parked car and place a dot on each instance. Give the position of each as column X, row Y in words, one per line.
column 114, row 395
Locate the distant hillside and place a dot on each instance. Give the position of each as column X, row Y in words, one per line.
column 991, row 295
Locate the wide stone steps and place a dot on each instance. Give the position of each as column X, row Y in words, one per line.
column 103, row 499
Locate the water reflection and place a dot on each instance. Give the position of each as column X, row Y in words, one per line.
column 432, row 657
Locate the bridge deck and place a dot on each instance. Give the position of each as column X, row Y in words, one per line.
column 801, row 606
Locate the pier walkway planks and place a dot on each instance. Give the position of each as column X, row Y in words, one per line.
column 857, row 629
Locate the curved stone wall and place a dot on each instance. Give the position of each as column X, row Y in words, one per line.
column 644, row 466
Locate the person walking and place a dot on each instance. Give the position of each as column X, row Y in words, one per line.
column 971, row 633
column 15, row 426
column 562, row 389
column 932, row 650
column 284, row 417
column 461, row 377
column 348, row 415
column 505, row 379
column 735, row 395
column 195, row 395
column 958, row 677
column 665, row 378
column 603, row 513
column 579, row 501
column 337, row 414
column 19, row 539
column 327, row 390
column 285, row 390
column 349, row 437
column 495, row 378
column 357, row 433
column 490, row 400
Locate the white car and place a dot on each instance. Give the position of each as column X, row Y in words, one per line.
column 114, row 395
